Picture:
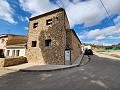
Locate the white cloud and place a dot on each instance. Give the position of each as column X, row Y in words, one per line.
column 36, row 7
column 95, row 42
column 113, row 6
column 6, row 12
column 23, row 19
column 89, row 12
column 97, row 33
column 117, row 21
column 114, row 37
column 100, row 37
column 26, row 28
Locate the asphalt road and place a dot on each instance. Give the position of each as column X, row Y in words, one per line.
column 98, row 74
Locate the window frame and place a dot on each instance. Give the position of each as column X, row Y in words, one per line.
column 13, row 53
column 48, row 42
column 17, row 52
column 8, row 53
column 49, row 22
column 35, row 25
column 34, row 44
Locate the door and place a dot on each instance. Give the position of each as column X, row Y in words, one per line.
column 1, row 53
column 67, row 57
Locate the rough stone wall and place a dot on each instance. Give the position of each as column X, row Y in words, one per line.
column 68, row 39
column 73, row 44
column 67, row 25
column 12, row 61
column 53, row 54
column 1, row 62
column 76, row 48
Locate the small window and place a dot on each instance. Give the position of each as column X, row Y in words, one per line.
column 57, row 18
column 48, row 42
column 34, row 43
column 35, row 25
column 13, row 52
column 17, row 52
column 2, row 41
column 8, row 52
column 49, row 22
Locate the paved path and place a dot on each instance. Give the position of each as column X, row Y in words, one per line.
column 4, row 71
column 100, row 73
column 34, row 67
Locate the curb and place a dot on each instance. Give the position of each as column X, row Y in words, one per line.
column 87, row 61
column 49, row 70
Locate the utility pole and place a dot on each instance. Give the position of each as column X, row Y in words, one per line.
column 8, row 31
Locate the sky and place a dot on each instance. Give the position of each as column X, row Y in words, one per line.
column 87, row 17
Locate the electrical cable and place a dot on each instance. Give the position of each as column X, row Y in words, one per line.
column 108, row 14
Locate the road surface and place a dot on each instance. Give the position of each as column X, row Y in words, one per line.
column 100, row 73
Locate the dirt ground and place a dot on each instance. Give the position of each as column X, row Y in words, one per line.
column 116, row 52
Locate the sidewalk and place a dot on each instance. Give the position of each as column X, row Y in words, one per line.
column 30, row 67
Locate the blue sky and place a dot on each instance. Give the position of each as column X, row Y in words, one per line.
column 87, row 17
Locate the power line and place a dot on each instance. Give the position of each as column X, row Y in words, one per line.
column 62, row 7
column 108, row 14
column 56, row 3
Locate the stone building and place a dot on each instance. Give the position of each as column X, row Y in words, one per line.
column 12, row 44
column 50, row 39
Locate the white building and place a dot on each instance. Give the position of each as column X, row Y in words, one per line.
column 12, row 45
column 15, row 50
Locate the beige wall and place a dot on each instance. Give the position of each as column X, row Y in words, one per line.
column 53, row 54
column 3, row 41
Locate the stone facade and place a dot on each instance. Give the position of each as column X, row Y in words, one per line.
column 74, row 44
column 12, row 61
column 47, row 43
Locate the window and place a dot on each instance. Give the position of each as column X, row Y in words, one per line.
column 57, row 18
column 13, row 52
column 8, row 52
column 35, row 25
column 48, row 42
column 2, row 41
column 17, row 52
column 49, row 22
column 34, row 43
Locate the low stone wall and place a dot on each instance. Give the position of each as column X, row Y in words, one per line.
column 12, row 61
column 2, row 62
